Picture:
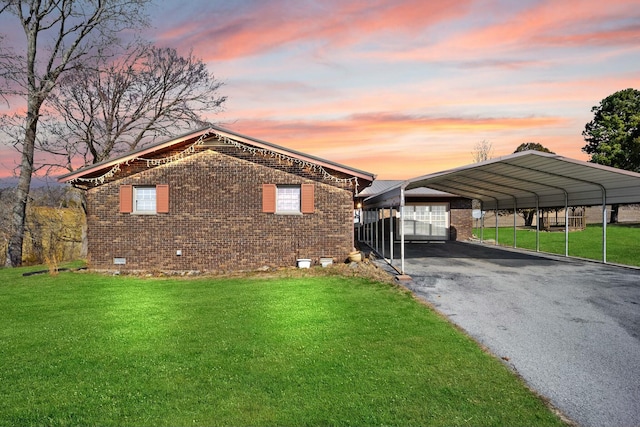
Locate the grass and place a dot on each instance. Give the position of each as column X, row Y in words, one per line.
column 87, row 349
column 623, row 242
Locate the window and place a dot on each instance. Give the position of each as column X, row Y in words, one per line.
column 287, row 199
column 144, row 200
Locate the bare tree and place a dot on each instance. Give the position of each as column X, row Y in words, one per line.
column 119, row 105
column 7, row 198
column 59, row 35
column 482, row 151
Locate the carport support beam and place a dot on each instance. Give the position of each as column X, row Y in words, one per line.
column 402, row 229
column 566, row 224
column 515, row 216
column 604, row 226
column 537, row 224
column 367, row 227
column 370, row 242
column 375, row 231
column 496, row 243
column 382, row 232
column 391, row 234
column 481, row 222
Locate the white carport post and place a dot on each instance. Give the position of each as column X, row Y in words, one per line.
column 371, row 232
column 496, row 212
column 366, row 226
column 496, row 243
column 375, row 231
column 402, row 228
column 604, row 224
column 515, row 214
column 391, row 234
column 537, row 224
column 566, row 223
column 382, row 232
column 370, row 242
column 481, row 222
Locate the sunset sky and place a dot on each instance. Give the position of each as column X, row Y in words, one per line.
column 403, row 88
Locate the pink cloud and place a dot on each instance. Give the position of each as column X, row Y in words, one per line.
column 365, row 126
column 266, row 26
column 394, row 145
column 572, row 23
column 548, row 24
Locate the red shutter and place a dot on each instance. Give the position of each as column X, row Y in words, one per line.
column 268, row 198
column 307, row 205
column 126, row 199
column 162, row 198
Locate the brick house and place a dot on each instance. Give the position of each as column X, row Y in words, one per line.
column 214, row 200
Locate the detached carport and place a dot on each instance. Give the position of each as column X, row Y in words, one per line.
column 527, row 180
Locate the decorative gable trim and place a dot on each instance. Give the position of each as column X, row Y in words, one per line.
column 100, row 173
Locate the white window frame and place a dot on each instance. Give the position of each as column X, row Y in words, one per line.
column 288, row 199
column 436, row 222
column 148, row 198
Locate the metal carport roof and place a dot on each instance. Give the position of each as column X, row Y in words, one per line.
column 532, row 179
column 529, row 179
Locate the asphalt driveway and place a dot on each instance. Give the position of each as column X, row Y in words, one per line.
column 570, row 328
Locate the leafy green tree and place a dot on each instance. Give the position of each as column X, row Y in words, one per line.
column 525, row 146
column 613, row 136
column 529, row 214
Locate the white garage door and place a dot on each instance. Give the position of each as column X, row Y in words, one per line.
column 426, row 222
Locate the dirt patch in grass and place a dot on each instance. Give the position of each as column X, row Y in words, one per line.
column 364, row 269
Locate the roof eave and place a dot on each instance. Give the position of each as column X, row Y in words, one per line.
column 107, row 164
column 366, row 176
column 296, row 154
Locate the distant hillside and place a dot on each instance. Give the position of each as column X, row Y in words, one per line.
column 36, row 182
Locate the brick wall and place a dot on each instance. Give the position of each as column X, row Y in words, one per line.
column 461, row 220
column 215, row 218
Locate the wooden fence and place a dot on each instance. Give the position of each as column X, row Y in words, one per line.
column 576, row 218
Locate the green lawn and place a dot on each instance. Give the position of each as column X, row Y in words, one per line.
column 623, row 242
column 87, row 349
